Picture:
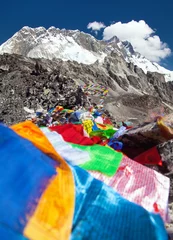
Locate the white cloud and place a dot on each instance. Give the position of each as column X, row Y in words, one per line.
column 141, row 36
column 96, row 26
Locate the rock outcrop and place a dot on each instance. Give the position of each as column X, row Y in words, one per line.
column 34, row 83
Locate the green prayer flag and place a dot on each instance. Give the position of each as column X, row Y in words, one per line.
column 103, row 133
column 102, row 159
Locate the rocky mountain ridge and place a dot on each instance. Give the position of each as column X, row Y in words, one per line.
column 74, row 45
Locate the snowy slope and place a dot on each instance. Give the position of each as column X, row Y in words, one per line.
column 147, row 65
column 143, row 63
column 75, row 46
column 51, row 43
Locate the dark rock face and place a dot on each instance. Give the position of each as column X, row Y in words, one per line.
column 134, row 81
column 26, row 82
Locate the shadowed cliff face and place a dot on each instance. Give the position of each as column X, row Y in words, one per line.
column 26, row 82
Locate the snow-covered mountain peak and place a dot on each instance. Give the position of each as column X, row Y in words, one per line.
column 53, row 43
column 75, row 45
column 52, row 29
column 128, row 46
column 25, row 28
column 114, row 39
column 32, row 31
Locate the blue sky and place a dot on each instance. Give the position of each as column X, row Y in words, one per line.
column 77, row 14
